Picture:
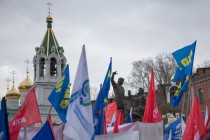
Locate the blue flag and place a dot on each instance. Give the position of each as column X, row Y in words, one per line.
column 184, row 58
column 60, row 95
column 175, row 127
column 44, row 133
column 128, row 120
column 182, row 87
column 101, row 102
column 129, row 117
column 4, row 128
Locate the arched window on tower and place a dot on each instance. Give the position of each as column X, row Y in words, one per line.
column 172, row 91
column 42, row 67
column 53, row 67
column 200, row 95
column 62, row 66
column 35, row 70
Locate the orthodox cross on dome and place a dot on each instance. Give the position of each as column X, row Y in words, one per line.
column 13, row 76
column 27, row 63
column 49, row 8
column 8, row 80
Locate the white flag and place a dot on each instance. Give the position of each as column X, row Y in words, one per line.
column 131, row 114
column 183, row 125
column 206, row 115
column 79, row 117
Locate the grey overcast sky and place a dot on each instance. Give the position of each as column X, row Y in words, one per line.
column 127, row 30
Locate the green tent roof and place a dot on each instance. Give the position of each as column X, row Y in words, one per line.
column 49, row 39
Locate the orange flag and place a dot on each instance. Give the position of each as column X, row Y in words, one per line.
column 151, row 113
column 195, row 126
column 27, row 114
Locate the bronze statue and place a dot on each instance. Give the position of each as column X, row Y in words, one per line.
column 139, row 103
column 119, row 92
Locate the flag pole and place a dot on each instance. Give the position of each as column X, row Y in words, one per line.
column 184, row 98
column 189, row 101
column 49, row 112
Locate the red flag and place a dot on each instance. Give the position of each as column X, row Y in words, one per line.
column 116, row 129
column 151, row 113
column 120, row 118
column 195, row 126
column 109, row 111
column 27, row 114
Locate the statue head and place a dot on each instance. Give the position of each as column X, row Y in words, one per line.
column 129, row 93
column 141, row 91
column 120, row 81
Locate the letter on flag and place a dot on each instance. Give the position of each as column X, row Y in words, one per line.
column 184, row 58
column 4, row 128
column 195, row 126
column 60, row 95
column 101, row 102
column 151, row 113
column 79, row 125
column 28, row 114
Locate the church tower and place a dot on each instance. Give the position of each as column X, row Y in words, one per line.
column 49, row 64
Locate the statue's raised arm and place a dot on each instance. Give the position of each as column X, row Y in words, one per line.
column 119, row 92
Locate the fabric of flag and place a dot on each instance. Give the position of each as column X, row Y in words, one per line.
column 101, row 103
column 110, row 109
column 105, row 125
column 116, row 129
column 195, row 127
column 49, row 119
column 60, row 95
column 45, row 132
column 175, row 129
column 184, row 58
column 208, row 126
column 206, row 115
column 129, row 117
column 183, row 125
column 120, row 118
column 1, row 135
column 4, row 128
column 113, row 119
column 182, row 87
column 151, row 113
column 28, row 114
column 79, row 125
column 208, row 123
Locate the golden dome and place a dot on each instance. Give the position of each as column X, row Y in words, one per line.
column 13, row 93
column 49, row 19
column 26, row 84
